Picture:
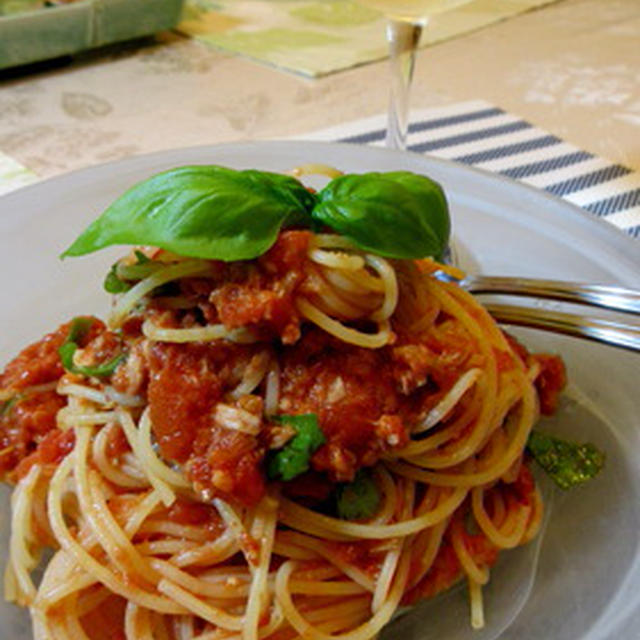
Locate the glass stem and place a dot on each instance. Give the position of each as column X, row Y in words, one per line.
column 403, row 38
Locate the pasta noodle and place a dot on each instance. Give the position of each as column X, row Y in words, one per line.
column 164, row 531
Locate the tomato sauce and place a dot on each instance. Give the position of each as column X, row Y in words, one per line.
column 37, row 364
column 194, row 513
column 444, row 572
column 350, row 389
column 439, row 358
column 357, row 394
column 309, row 489
column 552, row 378
column 523, row 489
column 228, row 463
column 24, row 424
column 260, row 295
column 186, row 382
column 550, row 382
column 106, row 622
column 28, row 431
column 366, row 399
column 117, row 443
column 446, row 569
column 51, row 450
column 184, row 386
column 361, row 554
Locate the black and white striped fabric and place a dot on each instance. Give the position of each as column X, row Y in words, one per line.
column 484, row 136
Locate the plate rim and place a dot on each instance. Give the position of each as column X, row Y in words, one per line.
column 602, row 234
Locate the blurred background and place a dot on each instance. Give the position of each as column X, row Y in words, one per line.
column 91, row 81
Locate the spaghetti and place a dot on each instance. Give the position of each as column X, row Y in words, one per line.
column 152, row 484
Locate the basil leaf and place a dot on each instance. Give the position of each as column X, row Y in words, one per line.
column 359, row 499
column 116, row 281
column 140, row 257
column 293, row 459
column 395, row 215
column 568, row 464
column 7, row 405
column 78, row 331
column 204, row 211
column 112, row 283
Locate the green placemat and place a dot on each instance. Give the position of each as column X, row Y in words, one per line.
column 317, row 38
column 32, row 30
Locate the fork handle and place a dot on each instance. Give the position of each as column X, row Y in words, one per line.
column 609, row 332
column 608, row 297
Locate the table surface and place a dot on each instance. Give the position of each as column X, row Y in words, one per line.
column 572, row 68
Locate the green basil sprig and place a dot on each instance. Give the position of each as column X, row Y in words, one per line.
column 395, row 215
column 119, row 278
column 359, row 499
column 112, row 282
column 568, row 464
column 7, row 405
column 293, row 459
column 217, row 213
column 77, row 332
column 206, row 212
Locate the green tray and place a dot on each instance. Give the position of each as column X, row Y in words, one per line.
column 65, row 29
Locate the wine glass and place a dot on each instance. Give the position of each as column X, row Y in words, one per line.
column 406, row 21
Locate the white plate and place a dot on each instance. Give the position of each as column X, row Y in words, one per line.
column 588, row 583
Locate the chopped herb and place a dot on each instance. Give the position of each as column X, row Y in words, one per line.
column 113, row 284
column 116, row 281
column 7, row 405
column 293, row 459
column 140, row 257
column 568, row 464
column 359, row 499
column 78, row 331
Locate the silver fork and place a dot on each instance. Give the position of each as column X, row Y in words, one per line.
column 613, row 332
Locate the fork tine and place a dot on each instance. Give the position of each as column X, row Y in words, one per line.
column 608, row 297
column 617, row 334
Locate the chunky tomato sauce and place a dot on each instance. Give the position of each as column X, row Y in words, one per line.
column 260, row 294
column 28, row 426
column 365, row 399
column 550, row 382
column 26, row 422
column 106, row 622
column 446, row 569
column 361, row 554
column 196, row 513
column 354, row 393
column 51, row 449
column 27, row 418
column 552, row 378
column 37, row 364
column 184, row 385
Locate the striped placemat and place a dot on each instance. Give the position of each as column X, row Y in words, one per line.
column 484, row 136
